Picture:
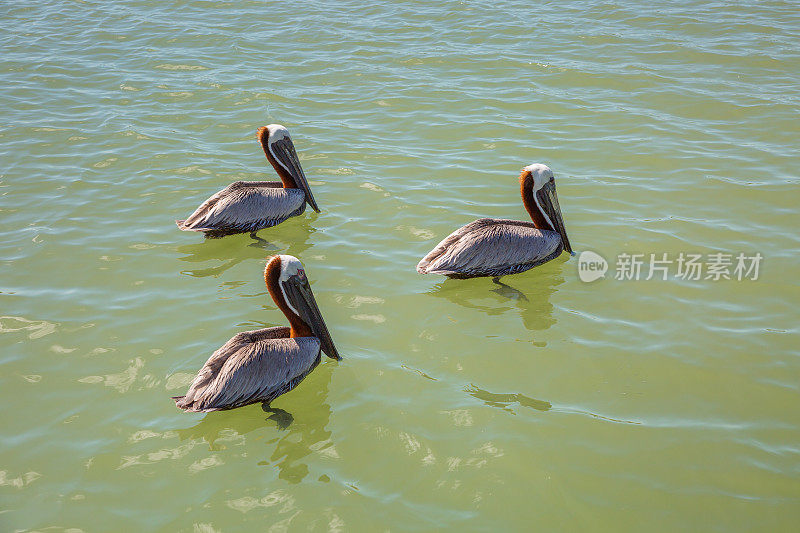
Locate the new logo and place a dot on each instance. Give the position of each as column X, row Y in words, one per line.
column 591, row 266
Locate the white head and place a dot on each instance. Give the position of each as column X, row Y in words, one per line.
column 540, row 173
column 277, row 132
column 290, row 266
column 279, row 149
column 538, row 184
column 294, row 297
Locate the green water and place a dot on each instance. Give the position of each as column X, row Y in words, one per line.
column 551, row 404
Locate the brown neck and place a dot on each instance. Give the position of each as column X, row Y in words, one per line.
column 272, row 276
column 526, row 189
column 286, row 178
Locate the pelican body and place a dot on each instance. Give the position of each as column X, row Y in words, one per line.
column 248, row 206
column 258, row 366
column 495, row 246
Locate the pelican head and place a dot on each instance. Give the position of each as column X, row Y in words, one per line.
column 538, row 184
column 288, row 285
column 280, row 152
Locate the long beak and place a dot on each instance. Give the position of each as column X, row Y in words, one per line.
column 548, row 199
column 299, row 294
column 283, row 150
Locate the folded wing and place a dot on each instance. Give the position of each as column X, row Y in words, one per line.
column 246, row 206
column 491, row 247
column 254, row 366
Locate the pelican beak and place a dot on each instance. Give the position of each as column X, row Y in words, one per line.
column 299, row 296
column 284, row 152
column 548, row 199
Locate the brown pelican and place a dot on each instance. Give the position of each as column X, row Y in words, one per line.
column 248, row 206
column 495, row 246
column 258, row 366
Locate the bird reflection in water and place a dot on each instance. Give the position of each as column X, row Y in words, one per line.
column 294, row 240
column 292, row 436
column 503, row 401
column 532, row 301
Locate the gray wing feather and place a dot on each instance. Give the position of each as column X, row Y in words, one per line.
column 254, row 366
column 246, row 206
column 491, row 247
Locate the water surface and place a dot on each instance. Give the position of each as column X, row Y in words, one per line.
column 460, row 405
